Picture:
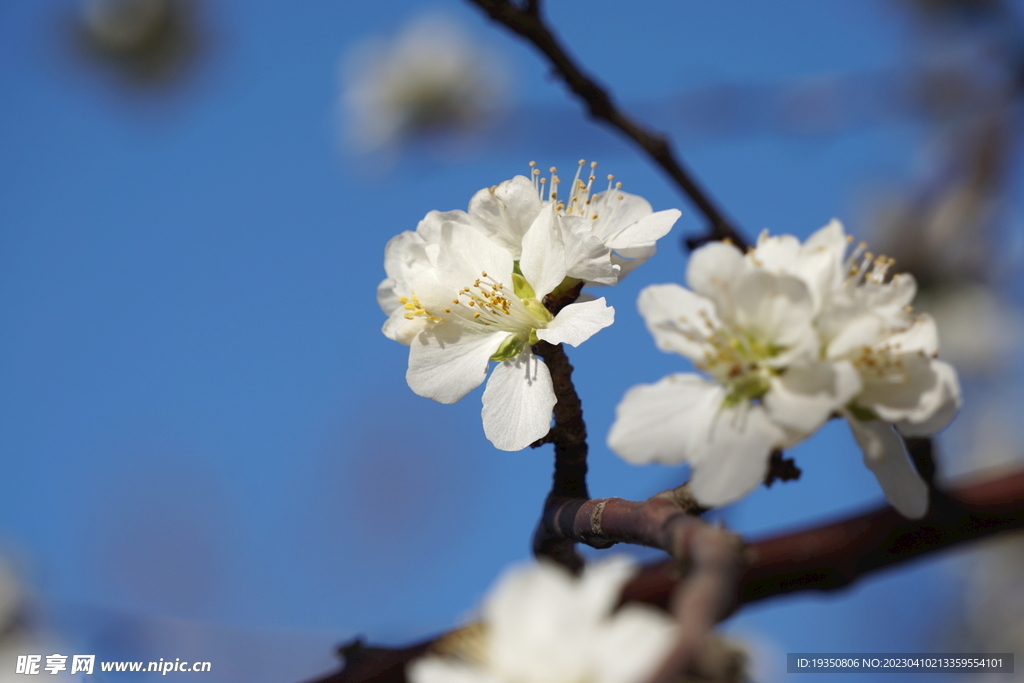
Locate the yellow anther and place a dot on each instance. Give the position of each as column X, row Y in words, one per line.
column 483, row 273
column 447, row 310
column 476, row 315
column 455, row 301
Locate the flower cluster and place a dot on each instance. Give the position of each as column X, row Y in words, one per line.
column 788, row 335
column 467, row 288
column 542, row 625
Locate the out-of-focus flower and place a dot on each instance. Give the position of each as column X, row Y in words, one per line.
column 790, row 334
column 620, row 226
column 542, row 625
column 148, row 41
column 460, row 299
column 430, row 78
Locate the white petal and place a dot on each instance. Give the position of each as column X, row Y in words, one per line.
column 929, row 387
column 448, row 360
column 922, row 336
column 533, row 633
column 682, row 419
column 735, row 457
column 543, row 259
column 804, row 396
column 629, row 260
column 429, row 229
column 886, row 457
column 466, row 253
column 401, row 330
column 778, row 309
column 778, row 254
column 586, row 256
column 617, row 210
column 518, row 402
column 657, row 422
column 941, row 405
column 600, row 587
column 506, row 211
column 712, row 270
column 678, row 319
column 437, row 670
column 857, row 333
column 632, row 645
column 645, row 231
column 578, row 322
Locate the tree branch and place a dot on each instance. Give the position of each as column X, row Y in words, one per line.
column 528, row 23
column 827, row 557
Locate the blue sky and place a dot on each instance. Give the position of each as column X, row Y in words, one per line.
column 200, row 422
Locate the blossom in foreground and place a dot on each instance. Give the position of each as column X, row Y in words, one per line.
column 613, row 228
column 790, row 334
column 540, row 624
column 430, row 78
column 461, row 299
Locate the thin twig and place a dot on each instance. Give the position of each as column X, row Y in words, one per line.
column 528, row 24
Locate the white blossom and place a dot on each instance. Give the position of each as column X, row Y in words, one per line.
column 614, row 231
column 542, row 625
column 432, row 77
column 460, row 299
column 790, row 333
column 752, row 332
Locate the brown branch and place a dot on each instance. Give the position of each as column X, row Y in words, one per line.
column 827, row 557
column 527, row 23
column 569, row 436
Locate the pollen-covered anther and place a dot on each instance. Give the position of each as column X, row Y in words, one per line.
column 415, row 309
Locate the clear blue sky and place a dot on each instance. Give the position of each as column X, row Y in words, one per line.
column 200, row 422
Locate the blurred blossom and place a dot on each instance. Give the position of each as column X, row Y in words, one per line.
column 542, row 625
column 431, row 78
column 147, row 41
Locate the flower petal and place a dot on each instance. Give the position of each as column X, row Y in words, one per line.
column 678, row 319
column 448, row 360
column 941, row 404
column 733, row 459
column 518, row 402
column 886, row 457
column 432, row 669
column 617, row 210
column 712, row 270
column 506, row 211
column 928, row 393
column 578, row 322
column 645, row 231
column 586, row 256
column 543, row 256
column 777, row 308
column 657, row 422
column 466, row 253
column 804, row 396
column 630, row 259
column 682, row 419
column 632, row 645
column 922, row 336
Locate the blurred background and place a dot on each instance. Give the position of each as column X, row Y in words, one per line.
column 209, row 451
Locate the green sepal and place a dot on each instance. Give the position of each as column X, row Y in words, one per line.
column 522, row 288
column 510, row 348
